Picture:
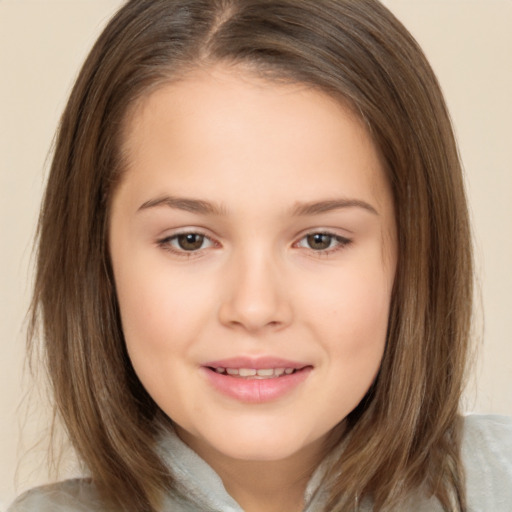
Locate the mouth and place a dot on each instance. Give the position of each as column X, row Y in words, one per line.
column 256, row 380
column 253, row 373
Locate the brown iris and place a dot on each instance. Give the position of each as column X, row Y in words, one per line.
column 190, row 241
column 319, row 241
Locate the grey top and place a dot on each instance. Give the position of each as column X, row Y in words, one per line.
column 486, row 452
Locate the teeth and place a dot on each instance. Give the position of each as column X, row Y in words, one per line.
column 248, row 372
column 263, row 373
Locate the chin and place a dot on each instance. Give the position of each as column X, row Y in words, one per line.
column 261, row 453
column 261, row 446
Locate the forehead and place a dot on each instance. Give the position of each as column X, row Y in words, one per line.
column 223, row 126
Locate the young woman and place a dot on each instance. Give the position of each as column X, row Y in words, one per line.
column 254, row 273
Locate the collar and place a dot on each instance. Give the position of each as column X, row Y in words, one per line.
column 199, row 485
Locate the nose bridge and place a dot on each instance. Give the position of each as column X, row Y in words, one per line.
column 256, row 296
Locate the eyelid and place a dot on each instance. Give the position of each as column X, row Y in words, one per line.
column 165, row 242
column 343, row 241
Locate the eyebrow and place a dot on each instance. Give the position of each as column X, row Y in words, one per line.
column 317, row 207
column 186, row 204
column 300, row 209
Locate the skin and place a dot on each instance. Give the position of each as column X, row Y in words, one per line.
column 255, row 286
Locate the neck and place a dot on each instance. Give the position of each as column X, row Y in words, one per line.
column 273, row 486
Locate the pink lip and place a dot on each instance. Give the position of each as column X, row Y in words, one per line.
column 255, row 390
column 257, row 363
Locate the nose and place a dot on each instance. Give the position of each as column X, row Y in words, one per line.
column 255, row 295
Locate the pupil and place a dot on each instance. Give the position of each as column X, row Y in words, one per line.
column 319, row 241
column 190, row 241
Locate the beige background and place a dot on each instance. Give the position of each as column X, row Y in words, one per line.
column 43, row 42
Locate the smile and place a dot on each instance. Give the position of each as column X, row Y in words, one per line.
column 253, row 373
column 256, row 380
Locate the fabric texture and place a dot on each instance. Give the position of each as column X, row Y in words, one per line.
column 486, row 453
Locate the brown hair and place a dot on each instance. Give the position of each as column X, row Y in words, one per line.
column 404, row 437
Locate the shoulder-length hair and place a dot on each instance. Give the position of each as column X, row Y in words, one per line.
column 404, row 437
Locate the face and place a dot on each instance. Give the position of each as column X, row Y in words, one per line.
column 252, row 240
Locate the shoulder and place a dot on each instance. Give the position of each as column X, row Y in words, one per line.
column 81, row 495
column 78, row 495
column 487, row 457
column 488, row 439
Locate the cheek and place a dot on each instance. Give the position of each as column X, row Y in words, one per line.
column 161, row 317
column 350, row 317
column 353, row 334
column 160, row 310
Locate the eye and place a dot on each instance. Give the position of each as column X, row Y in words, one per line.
column 323, row 242
column 190, row 241
column 186, row 242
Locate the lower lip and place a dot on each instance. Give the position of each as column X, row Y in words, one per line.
column 256, row 391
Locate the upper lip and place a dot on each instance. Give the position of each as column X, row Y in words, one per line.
column 258, row 363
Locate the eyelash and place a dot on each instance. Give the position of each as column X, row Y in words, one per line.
column 340, row 242
column 166, row 243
